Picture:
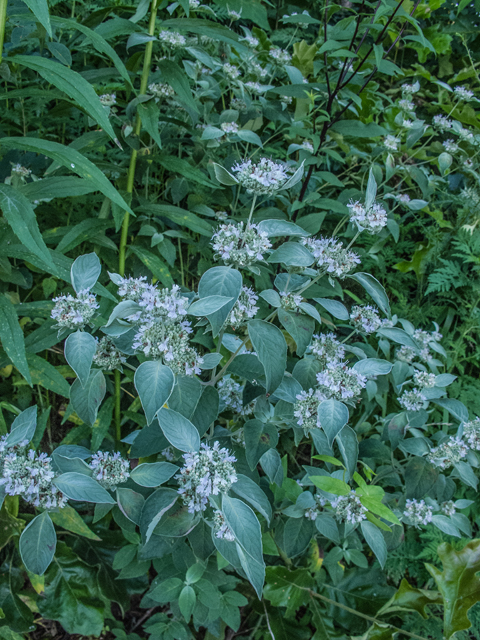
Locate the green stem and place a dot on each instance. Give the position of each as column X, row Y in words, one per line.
column 251, row 211
column 118, row 412
column 138, row 126
column 3, row 22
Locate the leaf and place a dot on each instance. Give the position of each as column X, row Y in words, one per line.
column 130, row 504
column 249, row 490
column 21, row 217
column 72, row 159
column 154, row 383
column 224, row 176
column 23, row 427
column 77, row 486
column 373, row 367
column 331, row 485
column 420, row 477
column 245, row 526
column 371, row 193
column 220, row 281
column 179, row 431
column 181, row 217
column 37, row 544
column 327, row 527
column 299, row 326
column 71, row 520
column 11, row 336
column 80, row 347
column 156, row 505
column 71, row 83
column 86, row 400
column 40, row 9
column 85, row 271
column 173, row 75
column 153, row 474
column 332, row 417
column 207, row 306
column 398, row 335
column 408, row 598
column 292, row 254
column 188, row 171
column 157, row 267
column 456, row 408
column 149, row 114
column 271, row 349
column 458, row 584
column 374, row 289
column 348, row 445
column 286, row 588
column 375, row 541
column 47, row 376
column 259, row 438
column 335, row 308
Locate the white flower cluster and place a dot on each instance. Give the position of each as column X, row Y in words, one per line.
column 471, row 433
column 349, row 508
column 308, row 146
column 340, row 382
column 450, row 145
column 418, row 512
column 412, row 400
column 290, row 301
column 231, row 71
column 391, row 142
column 424, row 380
column 264, row 177
column 448, row 508
column 172, row 39
column 331, row 255
column 157, row 338
column 161, row 90
column 404, row 198
column 234, row 15
column 244, row 308
column 108, row 99
column 405, row 105
column 207, row 472
column 313, row 513
column 251, row 41
column 372, row 219
column 229, row 127
column 109, row 469
column 257, row 70
column 230, row 393
column 405, row 354
column 30, row 476
column 107, row 356
column 305, row 409
column 326, row 348
column 365, row 319
column 463, row 94
column 134, row 288
column 239, row 247
column 74, row 313
column 448, row 453
column 18, row 170
column 442, row 123
column 280, row 56
column 424, row 339
column 222, row 530
column 254, row 87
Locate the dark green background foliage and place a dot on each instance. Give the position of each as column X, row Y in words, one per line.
column 118, row 149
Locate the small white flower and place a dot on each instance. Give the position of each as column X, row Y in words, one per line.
column 290, row 301
column 107, row 356
column 442, row 123
column 340, row 382
column 471, row 433
column 404, row 198
column 108, row 99
column 448, row 508
column 280, row 56
column 74, row 313
column 18, row 170
column 451, row 146
column 172, row 39
column 109, row 469
column 234, row 15
column 251, row 41
column 406, row 105
column 418, row 512
column 207, row 472
column 254, row 87
column 238, row 247
column 373, row 219
column 308, row 146
column 229, row 127
column 221, row 529
column 424, row 380
column 349, row 508
column 244, row 309
column 405, row 354
column 326, row 348
column 264, row 177
column 161, row 90
column 409, row 89
column 365, row 319
column 448, row 453
column 305, row 409
column 412, row 400
column 231, row 71
column 463, row 94
column 331, row 255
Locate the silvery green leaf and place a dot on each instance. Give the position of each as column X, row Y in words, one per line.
column 77, row 486
column 80, row 347
column 154, row 382
column 85, row 272
column 37, row 544
column 224, row 176
column 23, row 427
column 297, row 176
column 335, row 308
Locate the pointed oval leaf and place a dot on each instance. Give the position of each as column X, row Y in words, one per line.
column 37, row 544
column 179, row 431
column 154, row 383
column 77, row 486
column 80, row 347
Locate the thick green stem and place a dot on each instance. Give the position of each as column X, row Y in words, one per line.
column 3, row 22
column 147, row 61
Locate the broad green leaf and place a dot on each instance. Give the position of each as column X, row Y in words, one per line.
column 245, row 526
column 85, row 271
column 347, row 443
column 399, row 336
column 332, row 417
column 173, row 75
column 373, row 367
column 130, row 503
column 70, row 158
column 277, row 228
column 61, row 187
column 179, row 431
column 180, row 216
column 80, row 348
column 327, row 527
column 331, row 485
column 187, row 170
column 299, row 326
column 207, row 306
column 285, row 588
column 23, row 427
column 71, row 83
column 37, row 544
column 378, row 508
column 375, row 541
column 149, row 114
column 420, row 476
column 335, row 308
column 156, row 505
column 292, row 254
column 458, row 584
column 408, row 599
column 11, row 337
column 154, row 383
column 224, row 176
column 249, row 490
column 157, row 267
column 374, row 289
column 371, row 193
column 86, row 400
column 271, row 349
column 153, row 474
column 47, row 376
column 40, row 9
column 186, row 601
column 84, row 231
column 21, row 217
column 456, row 408
column 71, row 520
column 77, row 486
column 220, row 281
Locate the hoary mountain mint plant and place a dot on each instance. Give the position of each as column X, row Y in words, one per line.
column 251, row 428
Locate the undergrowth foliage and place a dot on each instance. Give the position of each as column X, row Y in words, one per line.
column 219, row 418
